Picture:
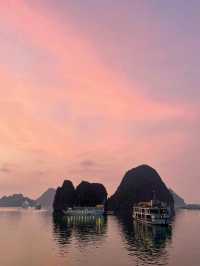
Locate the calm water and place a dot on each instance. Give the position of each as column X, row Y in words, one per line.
column 34, row 238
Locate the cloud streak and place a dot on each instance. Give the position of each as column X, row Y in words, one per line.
column 65, row 99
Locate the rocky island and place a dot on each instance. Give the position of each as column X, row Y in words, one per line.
column 46, row 199
column 178, row 201
column 84, row 195
column 137, row 185
column 16, row 200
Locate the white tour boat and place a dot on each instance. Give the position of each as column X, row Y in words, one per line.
column 153, row 212
column 85, row 211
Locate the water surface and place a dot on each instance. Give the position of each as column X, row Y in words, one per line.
column 35, row 238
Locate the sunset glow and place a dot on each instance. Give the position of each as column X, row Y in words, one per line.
column 90, row 89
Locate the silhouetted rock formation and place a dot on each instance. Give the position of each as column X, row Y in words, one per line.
column 90, row 194
column 16, row 200
column 178, row 201
column 46, row 199
column 86, row 194
column 138, row 185
column 65, row 196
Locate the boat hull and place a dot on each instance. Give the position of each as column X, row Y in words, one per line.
column 84, row 212
column 154, row 222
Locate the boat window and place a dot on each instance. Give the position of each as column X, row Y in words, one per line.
column 162, row 211
column 154, row 211
column 148, row 217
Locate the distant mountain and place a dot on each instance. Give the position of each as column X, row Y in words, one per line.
column 192, row 206
column 178, row 201
column 138, row 185
column 46, row 199
column 16, row 200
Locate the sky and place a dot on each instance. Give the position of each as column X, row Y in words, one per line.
column 90, row 89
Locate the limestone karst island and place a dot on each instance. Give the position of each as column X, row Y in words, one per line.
column 141, row 186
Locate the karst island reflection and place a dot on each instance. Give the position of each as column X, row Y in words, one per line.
column 146, row 244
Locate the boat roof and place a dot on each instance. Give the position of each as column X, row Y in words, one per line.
column 150, row 204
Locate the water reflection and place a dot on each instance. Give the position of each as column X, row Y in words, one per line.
column 62, row 232
column 82, row 231
column 149, row 243
column 36, row 239
column 146, row 244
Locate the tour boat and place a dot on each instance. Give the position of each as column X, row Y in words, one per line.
column 153, row 212
column 85, row 211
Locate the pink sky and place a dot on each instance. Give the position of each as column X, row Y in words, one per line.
column 89, row 90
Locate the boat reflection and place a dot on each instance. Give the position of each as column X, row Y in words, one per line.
column 62, row 233
column 82, row 230
column 147, row 242
column 152, row 236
